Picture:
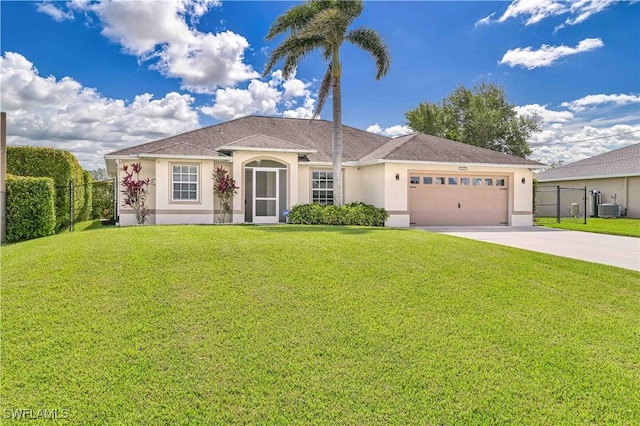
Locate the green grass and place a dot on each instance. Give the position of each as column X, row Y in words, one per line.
column 617, row 226
column 314, row 325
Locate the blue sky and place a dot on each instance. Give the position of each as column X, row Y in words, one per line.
column 93, row 77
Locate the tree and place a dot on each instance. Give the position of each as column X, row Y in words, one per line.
column 323, row 25
column 481, row 117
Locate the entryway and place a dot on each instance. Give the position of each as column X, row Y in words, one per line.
column 265, row 191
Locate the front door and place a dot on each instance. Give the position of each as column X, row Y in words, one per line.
column 265, row 195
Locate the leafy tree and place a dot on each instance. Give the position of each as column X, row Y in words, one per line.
column 323, row 25
column 480, row 116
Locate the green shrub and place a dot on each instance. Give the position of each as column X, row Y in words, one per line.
column 84, row 213
column 59, row 165
column 30, row 208
column 358, row 213
column 102, row 200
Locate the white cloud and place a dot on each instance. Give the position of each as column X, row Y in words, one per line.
column 62, row 113
column 484, row 21
column 553, row 144
column 535, row 11
column 543, row 114
column 391, row 132
column 263, row 98
column 571, row 136
column 163, row 33
column 546, row 55
column 595, row 100
column 50, row 9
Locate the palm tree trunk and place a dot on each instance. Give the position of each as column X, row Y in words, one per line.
column 337, row 129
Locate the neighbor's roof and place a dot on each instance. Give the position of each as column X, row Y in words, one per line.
column 421, row 147
column 620, row 162
column 313, row 138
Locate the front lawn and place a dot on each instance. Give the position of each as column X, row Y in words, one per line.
column 313, row 325
column 615, row 226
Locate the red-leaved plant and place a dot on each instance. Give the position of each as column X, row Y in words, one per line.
column 224, row 187
column 135, row 191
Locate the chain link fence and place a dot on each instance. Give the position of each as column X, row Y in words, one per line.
column 561, row 203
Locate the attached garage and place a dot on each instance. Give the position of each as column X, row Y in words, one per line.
column 447, row 199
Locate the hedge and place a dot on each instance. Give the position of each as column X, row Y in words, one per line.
column 57, row 164
column 349, row 214
column 30, row 208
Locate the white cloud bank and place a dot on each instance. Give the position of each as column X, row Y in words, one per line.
column 45, row 111
column 595, row 100
column 390, row 132
column 546, row 55
column 535, row 11
column 162, row 32
column 573, row 135
column 262, row 97
column 56, row 14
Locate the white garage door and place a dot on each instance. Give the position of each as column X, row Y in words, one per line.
column 440, row 199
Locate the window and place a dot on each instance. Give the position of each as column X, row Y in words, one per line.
column 322, row 187
column 440, row 181
column 488, row 182
column 415, row 180
column 185, row 183
column 427, row 180
column 464, row 181
column 453, row 181
column 499, row 182
column 477, row 181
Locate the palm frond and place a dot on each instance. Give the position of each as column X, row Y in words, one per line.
column 370, row 41
column 329, row 23
column 351, row 9
column 323, row 92
column 292, row 20
column 293, row 49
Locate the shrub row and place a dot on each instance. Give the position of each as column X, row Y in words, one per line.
column 30, row 208
column 349, row 214
column 61, row 166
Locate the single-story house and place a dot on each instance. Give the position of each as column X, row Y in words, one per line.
column 614, row 174
column 280, row 162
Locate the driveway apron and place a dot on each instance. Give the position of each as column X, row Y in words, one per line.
column 623, row 252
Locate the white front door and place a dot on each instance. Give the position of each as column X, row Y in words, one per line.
column 266, row 183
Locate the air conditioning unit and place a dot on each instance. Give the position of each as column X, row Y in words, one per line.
column 609, row 210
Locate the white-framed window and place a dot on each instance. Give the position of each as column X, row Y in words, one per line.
column 322, row 187
column 184, row 182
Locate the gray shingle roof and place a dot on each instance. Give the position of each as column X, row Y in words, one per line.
column 307, row 135
column 620, row 162
column 421, row 147
column 263, row 141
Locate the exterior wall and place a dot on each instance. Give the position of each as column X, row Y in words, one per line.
column 240, row 158
column 396, row 192
column 626, row 190
column 184, row 212
column 148, row 170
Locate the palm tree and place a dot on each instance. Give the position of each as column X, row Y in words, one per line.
column 323, row 25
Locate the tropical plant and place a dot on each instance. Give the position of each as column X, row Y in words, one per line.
column 224, row 187
column 135, row 191
column 323, row 25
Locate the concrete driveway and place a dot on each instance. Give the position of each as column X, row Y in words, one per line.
column 623, row 252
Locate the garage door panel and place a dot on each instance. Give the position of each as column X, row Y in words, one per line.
column 454, row 203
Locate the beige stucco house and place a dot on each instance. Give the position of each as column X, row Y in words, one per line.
column 280, row 162
column 614, row 174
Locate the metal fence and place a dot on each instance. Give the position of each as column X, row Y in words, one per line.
column 561, row 203
column 102, row 205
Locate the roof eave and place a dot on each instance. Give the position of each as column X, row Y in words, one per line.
column 631, row 174
column 247, row 148
column 450, row 163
